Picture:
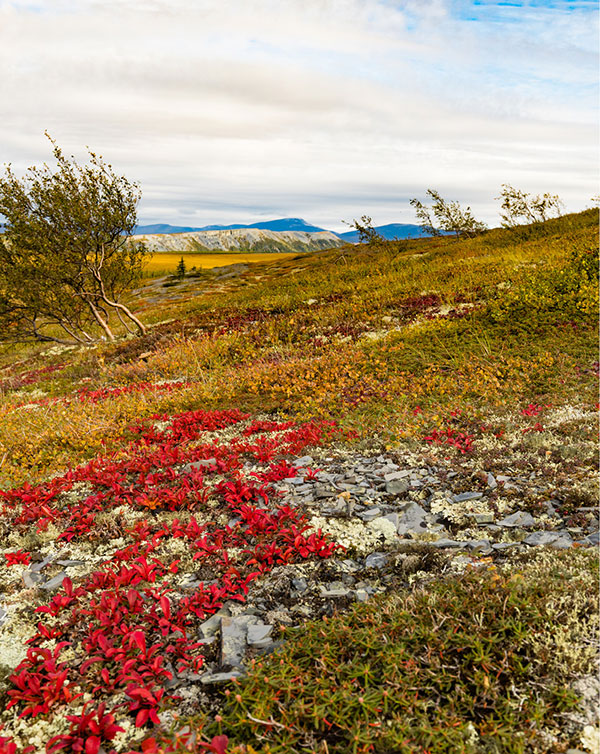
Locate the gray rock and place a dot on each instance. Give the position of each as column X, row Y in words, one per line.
column 481, row 546
column 259, row 635
column 482, row 518
column 304, row 461
column 300, row 585
column 196, row 465
column 491, row 481
column 54, row 583
column 467, row 496
column 376, row 560
column 361, row 595
column 448, row 543
column 233, row 638
column 3, row 616
column 31, row 579
column 392, row 476
column 70, row 563
column 210, row 626
column 593, row 538
column 504, row 545
column 559, row 540
column 519, row 518
column 209, row 678
column 369, row 514
column 411, row 519
column 397, row 487
column 333, row 593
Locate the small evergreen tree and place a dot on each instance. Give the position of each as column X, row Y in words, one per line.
column 181, row 269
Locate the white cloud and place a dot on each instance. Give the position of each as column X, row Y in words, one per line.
column 229, row 110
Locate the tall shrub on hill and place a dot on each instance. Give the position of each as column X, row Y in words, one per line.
column 65, row 255
column 444, row 217
column 521, row 208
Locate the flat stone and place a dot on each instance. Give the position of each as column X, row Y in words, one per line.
column 210, row 626
column 259, row 635
column 67, row 563
column 334, row 593
column 392, row 476
column 233, row 638
column 208, row 678
column 300, row 585
column 31, row 579
column 464, row 496
column 376, row 560
column 449, row 543
column 54, row 583
column 304, row 461
column 411, row 519
column 482, row 518
column 491, row 481
column 519, row 518
column 397, row 487
column 593, row 538
column 196, row 465
column 504, row 545
column 554, row 539
column 3, row 616
column 370, row 514
column 361, row 595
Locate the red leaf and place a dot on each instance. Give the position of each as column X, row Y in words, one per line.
column 219, row 744
column 92, row 745
column 138, row 638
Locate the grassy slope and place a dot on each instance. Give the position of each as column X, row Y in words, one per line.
column 393, row 343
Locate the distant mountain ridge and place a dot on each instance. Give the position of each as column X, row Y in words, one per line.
column 241, row 239
column 282, row 224
column 285, row 224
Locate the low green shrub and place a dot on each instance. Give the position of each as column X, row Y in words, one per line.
column 477, row 663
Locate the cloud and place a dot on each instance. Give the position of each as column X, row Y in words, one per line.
column 229, row 110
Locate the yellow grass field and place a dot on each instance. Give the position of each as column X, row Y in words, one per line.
column 167, row 261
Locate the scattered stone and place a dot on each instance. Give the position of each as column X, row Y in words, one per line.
column 54, row 583
column 259, row 635
column 376, row 560
column 209, row 678
column 464, row 496
column 519, row 518
column 233, row 639
column 31, row 579
column 560, row 540
column 397, row 487
column 303, row 462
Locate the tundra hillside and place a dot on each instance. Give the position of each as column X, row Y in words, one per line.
column 344, row 502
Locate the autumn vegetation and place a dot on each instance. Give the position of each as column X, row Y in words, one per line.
column 456, row 344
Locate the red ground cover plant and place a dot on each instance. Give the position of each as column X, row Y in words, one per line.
column 86, row 395
column 128, row 627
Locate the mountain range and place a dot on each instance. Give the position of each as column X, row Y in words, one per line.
column 241, row 239
column 285, row 224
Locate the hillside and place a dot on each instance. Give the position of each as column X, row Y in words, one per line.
column 345, row 502
column 241, row 239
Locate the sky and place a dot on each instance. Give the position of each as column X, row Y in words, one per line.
column 232, row 111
